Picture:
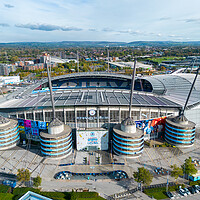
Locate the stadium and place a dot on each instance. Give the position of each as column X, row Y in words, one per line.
column 92, row 103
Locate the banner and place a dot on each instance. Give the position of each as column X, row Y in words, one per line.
column 31, row 127
column 151, row 126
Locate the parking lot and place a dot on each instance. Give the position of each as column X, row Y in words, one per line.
column 152, row 158
column 191, row 196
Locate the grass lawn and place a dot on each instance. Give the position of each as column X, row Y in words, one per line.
column 159, row 193
column 159, row 60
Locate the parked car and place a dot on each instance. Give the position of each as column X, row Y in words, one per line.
column 170, row 195
column 182, row 192
column 192, row 190
column 197, row 188
column 187, row 191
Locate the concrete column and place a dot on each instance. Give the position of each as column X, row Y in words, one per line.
column 120, row 115
column 75, row 110
column 34, row 115
column 86, row 110
column 97, row 116
column 43, row 112
column 64, row 113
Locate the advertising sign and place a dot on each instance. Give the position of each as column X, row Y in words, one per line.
column 95, row 138
column 152, row 127
column 32, row 128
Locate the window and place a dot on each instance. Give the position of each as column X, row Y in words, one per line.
column 124, row 114
column 29, row 116
column 114, row 116
column 39, row 116
column 81, row 116
column 70, row 116
column 154, row 115
column 48, row 116
column 21, row 116
column 60, row 115
column 103, row 116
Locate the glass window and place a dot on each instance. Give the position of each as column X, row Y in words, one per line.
column 39, row 116
column 48, row 116
column 21, row 116
column 70, row 116
column 154, row 115
column 60, row 115
column 103, row 116
column 29, row 116
column 81, row 116
column 144, row 115
column 124, row 114
column 114, row 116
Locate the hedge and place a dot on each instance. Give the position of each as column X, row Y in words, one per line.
column 57, row 195
column 23, row 190
column 7, row 196
column 4, row 188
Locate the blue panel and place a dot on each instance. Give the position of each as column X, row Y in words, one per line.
column 182, row 130
column 131, row 153
column 9, row 138
column 181, row 142
column 4, row 136
column 129, row 140
column 56, row 154
column 9, row 130
column 179, row 133
column 7, row 143
column 127, row 148
column 56, row 145
column 182, row 138
column 56, row 149
column 128, row 144
column 54, row 141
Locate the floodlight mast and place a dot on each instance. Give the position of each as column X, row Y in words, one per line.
column 50, row 88
column 189, row 94
column 132, row 87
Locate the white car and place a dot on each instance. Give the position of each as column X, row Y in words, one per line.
column 182, row 192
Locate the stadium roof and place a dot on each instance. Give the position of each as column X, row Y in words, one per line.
column 167, row 91
column 89, row 97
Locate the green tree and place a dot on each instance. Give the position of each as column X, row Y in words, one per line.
column 176, row 171
column 14, row 59
column 188, row 167
column 143, row 176
column 23, row 175
column 37, row 181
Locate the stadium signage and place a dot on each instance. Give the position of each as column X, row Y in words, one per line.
column 92, row 112
column 91, row 118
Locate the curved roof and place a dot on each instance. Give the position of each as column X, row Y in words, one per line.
column 168, row 91
column 176, row 87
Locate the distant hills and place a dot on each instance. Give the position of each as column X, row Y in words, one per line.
column 64, row 44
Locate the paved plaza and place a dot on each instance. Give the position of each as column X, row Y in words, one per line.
column 20, row 157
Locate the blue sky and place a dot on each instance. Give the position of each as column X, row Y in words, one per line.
column 99, row 20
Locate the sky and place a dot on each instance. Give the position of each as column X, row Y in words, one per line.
column 99, row 20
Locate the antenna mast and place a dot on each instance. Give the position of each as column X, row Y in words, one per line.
column 182, row 113
column 132, row 87
column 50, row 88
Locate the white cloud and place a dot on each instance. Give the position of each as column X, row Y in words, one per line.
column 112, row 20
